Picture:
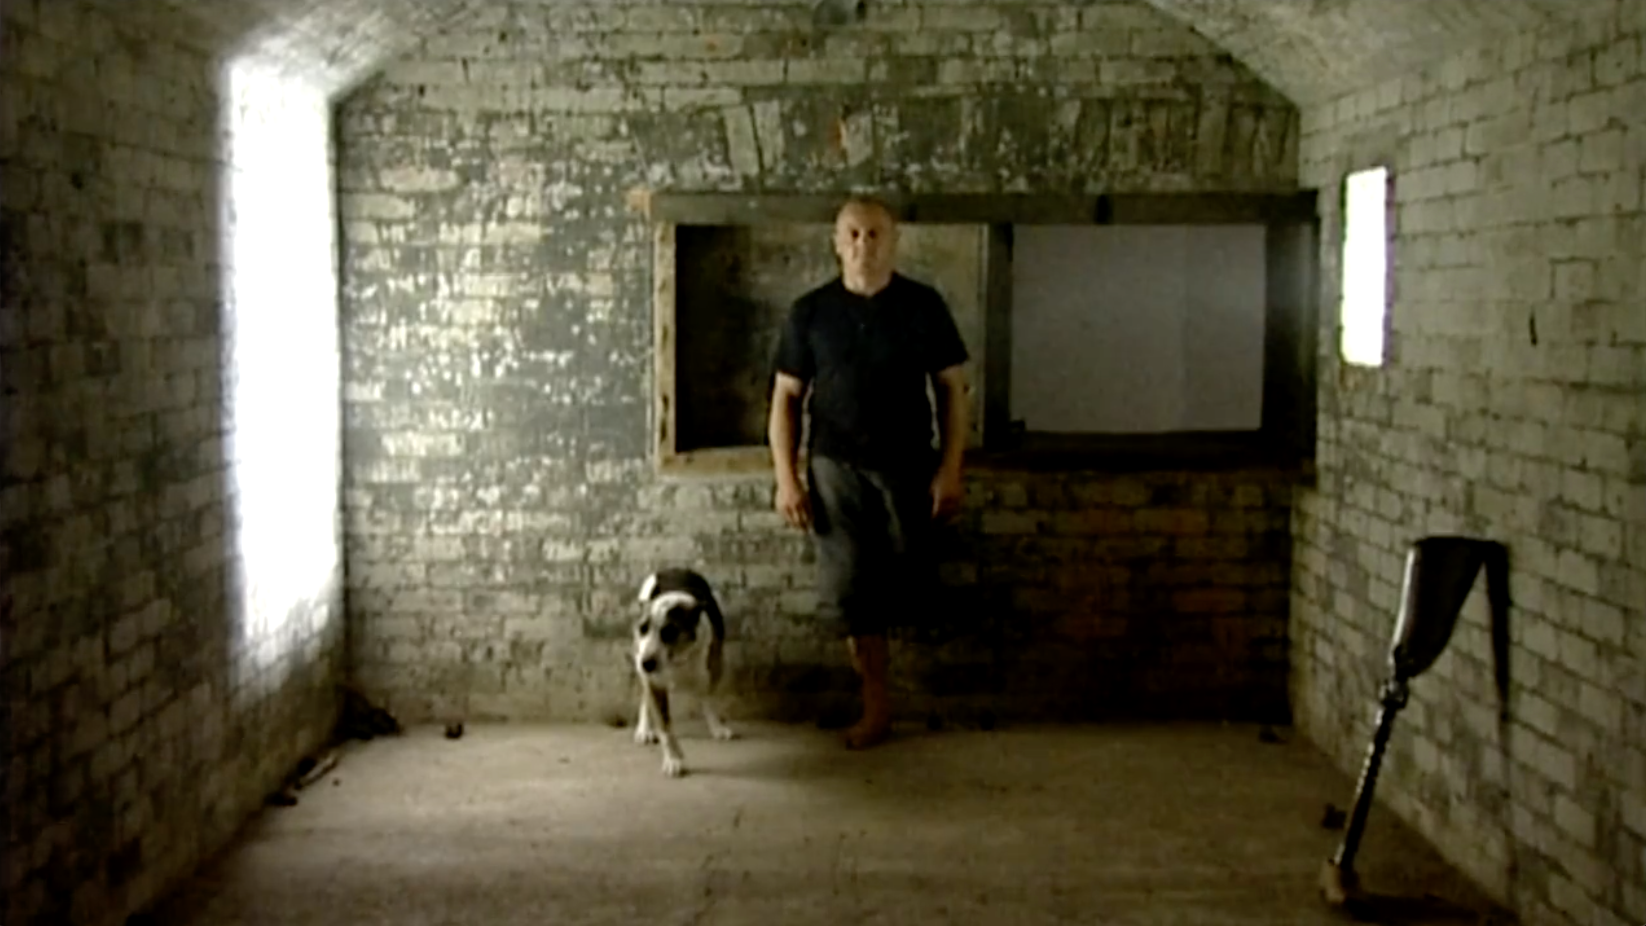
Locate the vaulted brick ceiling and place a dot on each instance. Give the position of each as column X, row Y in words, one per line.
column 1319, row 49
column 1310, row 50
column 334, row 43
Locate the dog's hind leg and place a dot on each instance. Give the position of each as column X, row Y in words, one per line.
column 717, row 726
column 711, row 715
column 674, row 763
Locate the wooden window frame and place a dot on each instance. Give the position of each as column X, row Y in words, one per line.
column 1284, row 437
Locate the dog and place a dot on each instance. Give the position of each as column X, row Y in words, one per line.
column 678, row 647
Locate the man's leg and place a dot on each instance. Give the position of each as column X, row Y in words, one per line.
column 901, row 583
column 850, row 525
column 871, row 654
column 903, row 506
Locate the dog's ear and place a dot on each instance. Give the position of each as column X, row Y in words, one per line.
column 682, row 621
column 717, row 620
column 686, row 617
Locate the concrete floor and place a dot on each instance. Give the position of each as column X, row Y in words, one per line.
column 565, row 824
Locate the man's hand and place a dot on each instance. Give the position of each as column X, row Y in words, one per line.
column 947, row 493
column 793, row 504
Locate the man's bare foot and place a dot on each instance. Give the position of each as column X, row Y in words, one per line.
column 869, row 657
column 868, row 732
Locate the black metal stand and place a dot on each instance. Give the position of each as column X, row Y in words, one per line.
column 1439, row 573
column 1341, row 880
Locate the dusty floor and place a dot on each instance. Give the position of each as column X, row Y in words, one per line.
column 559, row 825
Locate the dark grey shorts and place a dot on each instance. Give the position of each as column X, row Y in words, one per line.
column 873, row 536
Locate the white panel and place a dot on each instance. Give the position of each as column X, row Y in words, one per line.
column 1137, row 329
column 1223, row 341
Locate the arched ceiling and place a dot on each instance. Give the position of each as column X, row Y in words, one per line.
column 1313, row 50
column 334, row 44
column 1310, row 50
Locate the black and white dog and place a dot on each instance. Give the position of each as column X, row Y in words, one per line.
column 678, row 642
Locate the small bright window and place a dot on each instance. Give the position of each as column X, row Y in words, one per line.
column 1365, row 266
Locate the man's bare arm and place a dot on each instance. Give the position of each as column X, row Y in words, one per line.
column 953, row 415
column 783, row 427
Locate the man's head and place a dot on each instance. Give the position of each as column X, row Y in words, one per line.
column 865, row 240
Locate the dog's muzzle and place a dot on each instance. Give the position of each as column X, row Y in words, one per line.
column 648, row 665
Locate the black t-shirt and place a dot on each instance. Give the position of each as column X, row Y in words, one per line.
column 868, row 360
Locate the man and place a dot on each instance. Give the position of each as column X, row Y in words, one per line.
column 865, row 346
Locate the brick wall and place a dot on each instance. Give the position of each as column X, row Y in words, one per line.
column 158, row 681
column 500, row 504
column 1510, row 408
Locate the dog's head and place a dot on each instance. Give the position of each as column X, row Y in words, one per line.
column 666, row 629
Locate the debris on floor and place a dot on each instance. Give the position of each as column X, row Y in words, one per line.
column 309, row 770
column 359, row 719
column 1333, row 818
column 363, row 720
column 454, row 730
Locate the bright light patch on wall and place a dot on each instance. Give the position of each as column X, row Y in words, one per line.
column 281, row 367
column 1365, row 266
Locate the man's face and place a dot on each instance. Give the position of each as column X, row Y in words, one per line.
column 865, row 239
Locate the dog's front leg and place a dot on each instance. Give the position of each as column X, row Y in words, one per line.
column 674, row 763
column 645, row 731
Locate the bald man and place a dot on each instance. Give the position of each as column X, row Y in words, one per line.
column 863, row 348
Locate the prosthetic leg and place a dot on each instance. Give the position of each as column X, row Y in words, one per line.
column 1440, row 571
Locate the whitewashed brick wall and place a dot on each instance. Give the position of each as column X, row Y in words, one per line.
column 134, row 753
column 143, row 730
column 498, row 330
column 1511, row 407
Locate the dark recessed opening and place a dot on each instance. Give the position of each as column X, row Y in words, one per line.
column 735, row 286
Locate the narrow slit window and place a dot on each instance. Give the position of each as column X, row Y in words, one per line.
column 1365, row 266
